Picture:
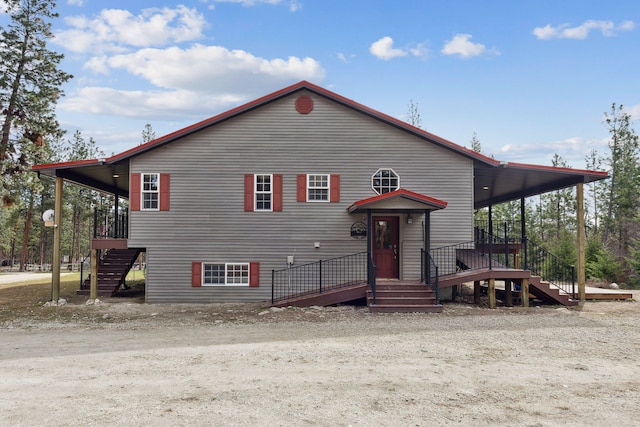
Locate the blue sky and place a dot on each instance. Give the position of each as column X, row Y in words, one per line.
column 530, row 78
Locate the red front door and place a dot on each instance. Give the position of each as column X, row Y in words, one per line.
column 386, row 254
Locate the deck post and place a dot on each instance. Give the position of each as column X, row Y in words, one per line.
column 476, row 292
column 57, row 232
column 93, row 290
column 524, row 292
column 492, row 293
column 581, row 241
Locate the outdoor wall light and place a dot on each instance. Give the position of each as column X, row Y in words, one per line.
column 409, row 219
column 486, row 187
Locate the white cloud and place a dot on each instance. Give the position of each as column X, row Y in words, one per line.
column 420, row 50
column 462, row 46
column 294, row 5
column 199, row 67
column 115, row 30
column 383, row 49
column 581, row 32
column 188, row 81
column 573, row 150
column 634, row 112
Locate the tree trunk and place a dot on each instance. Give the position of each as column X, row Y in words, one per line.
column 27, row 228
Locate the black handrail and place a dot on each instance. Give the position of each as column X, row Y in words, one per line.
column 489, row 252
column 318, row 277
column 107, row 225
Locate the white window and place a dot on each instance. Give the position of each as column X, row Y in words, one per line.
column 318, row 188
column 263, row 192
column 150, row 191
column 385, row 181
column 225, row 274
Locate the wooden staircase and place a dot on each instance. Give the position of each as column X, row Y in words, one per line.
column 112, row 271
column 403, row 297
column 549, row 293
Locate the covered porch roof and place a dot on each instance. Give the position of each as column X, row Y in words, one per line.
column 401, row 200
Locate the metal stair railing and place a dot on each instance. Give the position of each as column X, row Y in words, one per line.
column 318, row 277
column 429, row 273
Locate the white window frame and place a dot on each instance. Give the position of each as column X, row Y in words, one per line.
column 373, row 177
column 316, row 187
column 143, row 192
column 232, row 272
column 257, row 192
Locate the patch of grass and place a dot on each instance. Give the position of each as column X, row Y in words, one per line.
column 26, row 300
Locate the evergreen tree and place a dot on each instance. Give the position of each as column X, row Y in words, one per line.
column 29, row 85
column 624, row 184
column 148, row 134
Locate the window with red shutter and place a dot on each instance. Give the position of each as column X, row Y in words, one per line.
column 196, row 274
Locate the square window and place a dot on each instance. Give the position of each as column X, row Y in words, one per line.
column 318, row 188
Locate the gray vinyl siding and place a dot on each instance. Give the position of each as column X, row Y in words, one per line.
column 207, row 222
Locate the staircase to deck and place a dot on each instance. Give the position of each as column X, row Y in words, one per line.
column 112, row 271
column 403, row 297
column 475, row 266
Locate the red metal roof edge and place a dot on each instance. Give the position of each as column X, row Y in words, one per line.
column 441, row 204
column 64, row 165
column 557, row 169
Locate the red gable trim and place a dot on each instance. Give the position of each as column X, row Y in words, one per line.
column 556, row 169
column 431, row 201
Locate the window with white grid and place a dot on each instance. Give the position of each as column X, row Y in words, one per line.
column 318, row 188
column 263, row 192
column 225, row 274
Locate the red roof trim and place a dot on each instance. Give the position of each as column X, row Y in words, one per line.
column 407, row 194
column 65, row 165
column 557, row 169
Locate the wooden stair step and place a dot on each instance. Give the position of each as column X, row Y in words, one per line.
column 383, row 308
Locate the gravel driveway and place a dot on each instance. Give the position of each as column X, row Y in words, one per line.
column 198, row 365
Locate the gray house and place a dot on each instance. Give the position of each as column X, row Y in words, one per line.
column 297, row 190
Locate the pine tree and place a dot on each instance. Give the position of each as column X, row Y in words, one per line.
column 29, row 85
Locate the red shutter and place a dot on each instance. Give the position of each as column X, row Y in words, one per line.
column 254, row 274
column 196, row 274
column 334, row 192
column 277, row 193
column 134, row 192
column 164, row 191
column 302, row 188
column 248, row 192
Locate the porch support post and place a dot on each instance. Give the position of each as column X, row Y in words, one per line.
column 370, row 238
column 93, row 292
column 492, row 293
column 427, row 230
column 523, row 233
column 581, row 241
column 524, row 292
column 116, row 232
column 57, row 229
column 427, row 246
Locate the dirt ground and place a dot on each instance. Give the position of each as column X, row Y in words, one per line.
column 122, row 362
